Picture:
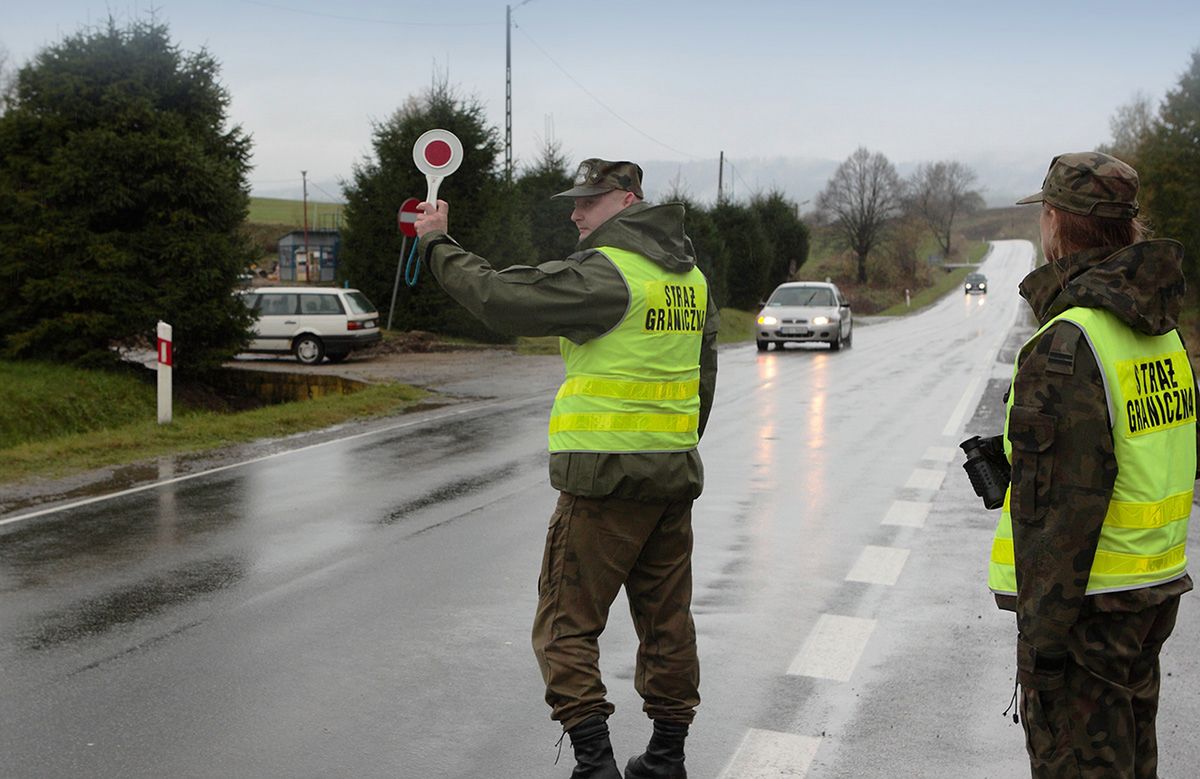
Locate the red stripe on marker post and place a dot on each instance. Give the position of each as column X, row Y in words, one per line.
column 164, row 352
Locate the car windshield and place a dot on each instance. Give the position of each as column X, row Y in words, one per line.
column 975, row 278
column 359, row 303
column 801, row 296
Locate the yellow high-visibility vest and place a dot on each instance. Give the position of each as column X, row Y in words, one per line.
column 637, row 387
column 1151, row 397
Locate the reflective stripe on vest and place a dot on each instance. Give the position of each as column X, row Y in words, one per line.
column 637, row 387
column 1151, row 397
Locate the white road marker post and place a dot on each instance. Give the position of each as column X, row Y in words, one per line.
column 166, row 361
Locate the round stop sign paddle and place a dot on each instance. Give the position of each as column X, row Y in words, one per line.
column 437, row 153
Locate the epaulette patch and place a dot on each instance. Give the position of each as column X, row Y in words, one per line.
column 1062, row 350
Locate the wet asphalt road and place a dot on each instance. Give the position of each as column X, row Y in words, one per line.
column 362, row 607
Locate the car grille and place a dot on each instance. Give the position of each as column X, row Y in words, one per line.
column 793, row 321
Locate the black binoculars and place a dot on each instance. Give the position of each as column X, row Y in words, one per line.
column 987, row 468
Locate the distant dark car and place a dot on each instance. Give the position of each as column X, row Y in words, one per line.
column 975, row 283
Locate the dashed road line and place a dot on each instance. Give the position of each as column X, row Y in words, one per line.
column 940, row 454
column 960, row 411
column 833, row 647
column 907, row 513
column 769, row 754
column 878, row 565
column 926, row 479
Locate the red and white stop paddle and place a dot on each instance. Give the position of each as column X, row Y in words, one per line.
column 437, row 153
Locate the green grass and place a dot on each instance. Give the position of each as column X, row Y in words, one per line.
column 545, row 344
column 43, row 400
column 114, row 420
column 269, row 210
column 736, row 326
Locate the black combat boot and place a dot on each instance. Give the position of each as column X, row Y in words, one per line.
column 663, row 758
column 593, row 752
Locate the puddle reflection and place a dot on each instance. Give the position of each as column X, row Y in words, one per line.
column 147, row 598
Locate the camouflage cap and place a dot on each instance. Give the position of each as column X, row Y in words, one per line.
column 1091, row 184
column 596, row 176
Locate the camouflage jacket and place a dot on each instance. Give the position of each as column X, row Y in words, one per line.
column 1073, row 474
column 580, row 298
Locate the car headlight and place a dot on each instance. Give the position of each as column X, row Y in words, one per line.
column 968, row 286
column 767, row 320
column 820, row 320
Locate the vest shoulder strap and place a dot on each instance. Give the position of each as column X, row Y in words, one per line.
column 1061, row 358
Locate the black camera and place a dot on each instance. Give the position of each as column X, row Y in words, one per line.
column 987, row 468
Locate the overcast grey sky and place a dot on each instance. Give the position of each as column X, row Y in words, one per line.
column 785, row 89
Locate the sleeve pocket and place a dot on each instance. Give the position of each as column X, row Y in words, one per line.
column 1031, row 434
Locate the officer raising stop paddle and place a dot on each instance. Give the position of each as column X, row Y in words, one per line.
column 637, row 329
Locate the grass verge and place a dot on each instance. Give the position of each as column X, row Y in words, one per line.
column 195, row 431
column 942, row 284
column 736, row 326
column 44, row 400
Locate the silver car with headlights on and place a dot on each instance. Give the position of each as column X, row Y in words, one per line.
column 804, row 312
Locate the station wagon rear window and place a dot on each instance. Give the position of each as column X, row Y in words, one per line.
column 320, row 304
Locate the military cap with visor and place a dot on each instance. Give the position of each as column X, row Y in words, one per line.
column 1090, row 184
column 596, row 176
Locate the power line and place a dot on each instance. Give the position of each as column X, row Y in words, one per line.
column 600, row 102
column 345, row 18
column 318, row 186
column 737, row 173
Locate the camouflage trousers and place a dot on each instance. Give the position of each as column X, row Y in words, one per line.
column 1101, row 721
column 594, row 547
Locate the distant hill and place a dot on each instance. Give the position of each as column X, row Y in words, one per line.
column 1002, row 178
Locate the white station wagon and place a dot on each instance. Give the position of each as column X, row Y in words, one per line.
column 313, row 323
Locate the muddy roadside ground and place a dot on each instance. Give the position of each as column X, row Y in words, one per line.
column 455, row 376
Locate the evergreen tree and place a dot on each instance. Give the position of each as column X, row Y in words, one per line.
column 787, row 234
column 553, row 234
column 1169, row 168
column 122, row 196
column 483, row 217
column 749, row 259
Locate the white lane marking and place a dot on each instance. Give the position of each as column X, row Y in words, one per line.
column 767, row 754
column 878, row 565
column 142, row 488
column 941, row 454
column 925, row 479
column 907, row 513
column 833, row 647
column 960, row 411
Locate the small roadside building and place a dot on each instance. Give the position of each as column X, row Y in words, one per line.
column 320, row 263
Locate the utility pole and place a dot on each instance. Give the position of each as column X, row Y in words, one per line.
column 304, row 176
column 721, row 179
column 508, row 94
column 508, row 163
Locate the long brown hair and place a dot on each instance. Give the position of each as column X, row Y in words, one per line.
column 1075, row 233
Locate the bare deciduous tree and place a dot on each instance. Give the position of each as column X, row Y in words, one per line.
column 7, row 77
column 1130, row 125
column 861, row 197
column 938, row 193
